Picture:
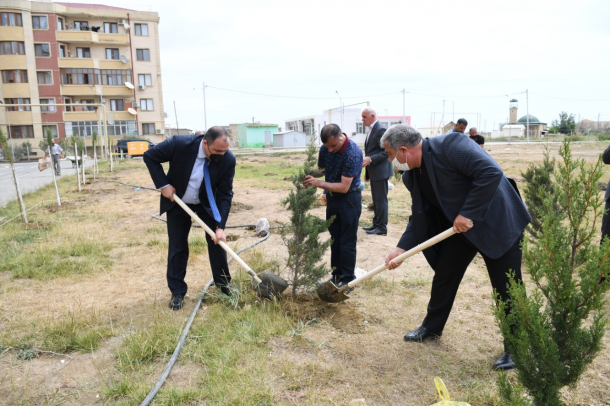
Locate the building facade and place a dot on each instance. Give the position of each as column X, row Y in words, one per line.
column 79, row 54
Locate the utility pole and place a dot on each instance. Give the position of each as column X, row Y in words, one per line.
column 527, row 112
column 205, row 116
column 176, row 114
column 404, row 115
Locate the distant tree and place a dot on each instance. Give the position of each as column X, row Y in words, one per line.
column 565, row 125
column 556, row 331
column 302, row 235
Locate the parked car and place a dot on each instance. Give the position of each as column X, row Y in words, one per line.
column 121, row 145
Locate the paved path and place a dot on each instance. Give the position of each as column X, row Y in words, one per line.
column 30, row 178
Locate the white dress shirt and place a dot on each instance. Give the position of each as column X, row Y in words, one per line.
column 191, row 195
column 369, row 133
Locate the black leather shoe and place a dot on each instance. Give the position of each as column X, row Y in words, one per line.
column 377, row 231
column 504, row 363
column 176, row 302
column 369, row 228
column 421, row 334
column 226, row 289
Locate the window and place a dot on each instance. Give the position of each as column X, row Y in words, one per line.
column 45, row 77
column 12, row 48
column 60, row 23
column 42, row 50
column 110, row 28
column 88, row 101
column 141, row 29
column 68, row 101
column 62, row 51
column 18, row 101
column 11, row 19
column 112, row 53
column 359, row 128
column 115, row 77
column 40, row 23
column 53, row 129
column 47, row 101
column 14, row 76
column 148, row 128
column 116, row 105
column 22, row 131
column 146, row 104
column 74, row 76
column 145, row 80
column 143, row 54
column 81, row 25
column 83, row 52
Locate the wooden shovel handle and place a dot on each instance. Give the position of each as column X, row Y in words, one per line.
column 426, row 244
column 208, row 230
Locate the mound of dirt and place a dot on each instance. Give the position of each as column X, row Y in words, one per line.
column 341, row 316
column 237, row 207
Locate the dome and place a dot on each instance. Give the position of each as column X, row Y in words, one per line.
column 533, row 119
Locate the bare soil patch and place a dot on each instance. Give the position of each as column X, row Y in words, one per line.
column 349, row 350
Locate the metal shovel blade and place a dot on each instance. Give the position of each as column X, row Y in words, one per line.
column 329, row 292
column 270, row 286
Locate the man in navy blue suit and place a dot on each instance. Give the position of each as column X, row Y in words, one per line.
column 201, row 171
column 455, row 183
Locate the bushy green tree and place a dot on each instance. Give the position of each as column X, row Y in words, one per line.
column 539, row 186
column 302, row 235
column 565, row 125
column 556, row 331
column 46, row 142
column 6, row 148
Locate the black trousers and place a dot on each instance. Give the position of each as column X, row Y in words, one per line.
column 455, row 254
column 379, row 191
column 606, row 221
column 178, row 228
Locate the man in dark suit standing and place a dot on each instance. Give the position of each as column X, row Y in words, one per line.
column 377, row 171
column 201, row 171
column 455, row 185
column 606, row 217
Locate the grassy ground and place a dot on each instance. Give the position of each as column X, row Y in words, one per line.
column 84, row 318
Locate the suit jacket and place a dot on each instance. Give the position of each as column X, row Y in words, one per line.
column 379, row 168
column 181, row 152
column 606, row 159
column 466, row 181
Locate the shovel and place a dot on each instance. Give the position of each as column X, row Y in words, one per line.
column 266, row 284
column 329, row 292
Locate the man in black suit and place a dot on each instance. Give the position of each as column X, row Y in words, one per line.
column 455, row 185
column 201, row 171
column 473, row 134
column 377, row 171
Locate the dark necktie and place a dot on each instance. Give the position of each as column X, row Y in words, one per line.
column 208, row 189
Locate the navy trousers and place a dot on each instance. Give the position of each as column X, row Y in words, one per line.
column 379, row 192
column 344, row 231
column 178, row 228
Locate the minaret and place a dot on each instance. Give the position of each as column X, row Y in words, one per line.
column 513, row 111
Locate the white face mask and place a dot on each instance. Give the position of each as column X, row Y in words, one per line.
column 399, row 166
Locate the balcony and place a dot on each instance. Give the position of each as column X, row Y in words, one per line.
column 80, row 90
column 13, row 62
column 93, row 63
column 122, row 91
column 91, row 37
column 81, row 115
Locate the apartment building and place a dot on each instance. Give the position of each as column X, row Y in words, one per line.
column 79, row 54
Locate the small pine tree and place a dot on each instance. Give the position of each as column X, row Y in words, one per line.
column 302, row 235
column 556, row 332
column 539, row 186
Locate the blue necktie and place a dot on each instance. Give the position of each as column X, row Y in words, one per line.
column 208, row 189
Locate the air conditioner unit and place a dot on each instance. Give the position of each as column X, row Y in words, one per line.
column 121, row 21
column 159, row 131
column 135, row 105
column 141, row 87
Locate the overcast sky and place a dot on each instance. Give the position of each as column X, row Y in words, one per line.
column 474, row 54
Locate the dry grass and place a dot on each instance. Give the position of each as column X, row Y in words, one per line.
column 89, row 279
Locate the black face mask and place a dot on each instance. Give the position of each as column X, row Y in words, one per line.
column 216, row 159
